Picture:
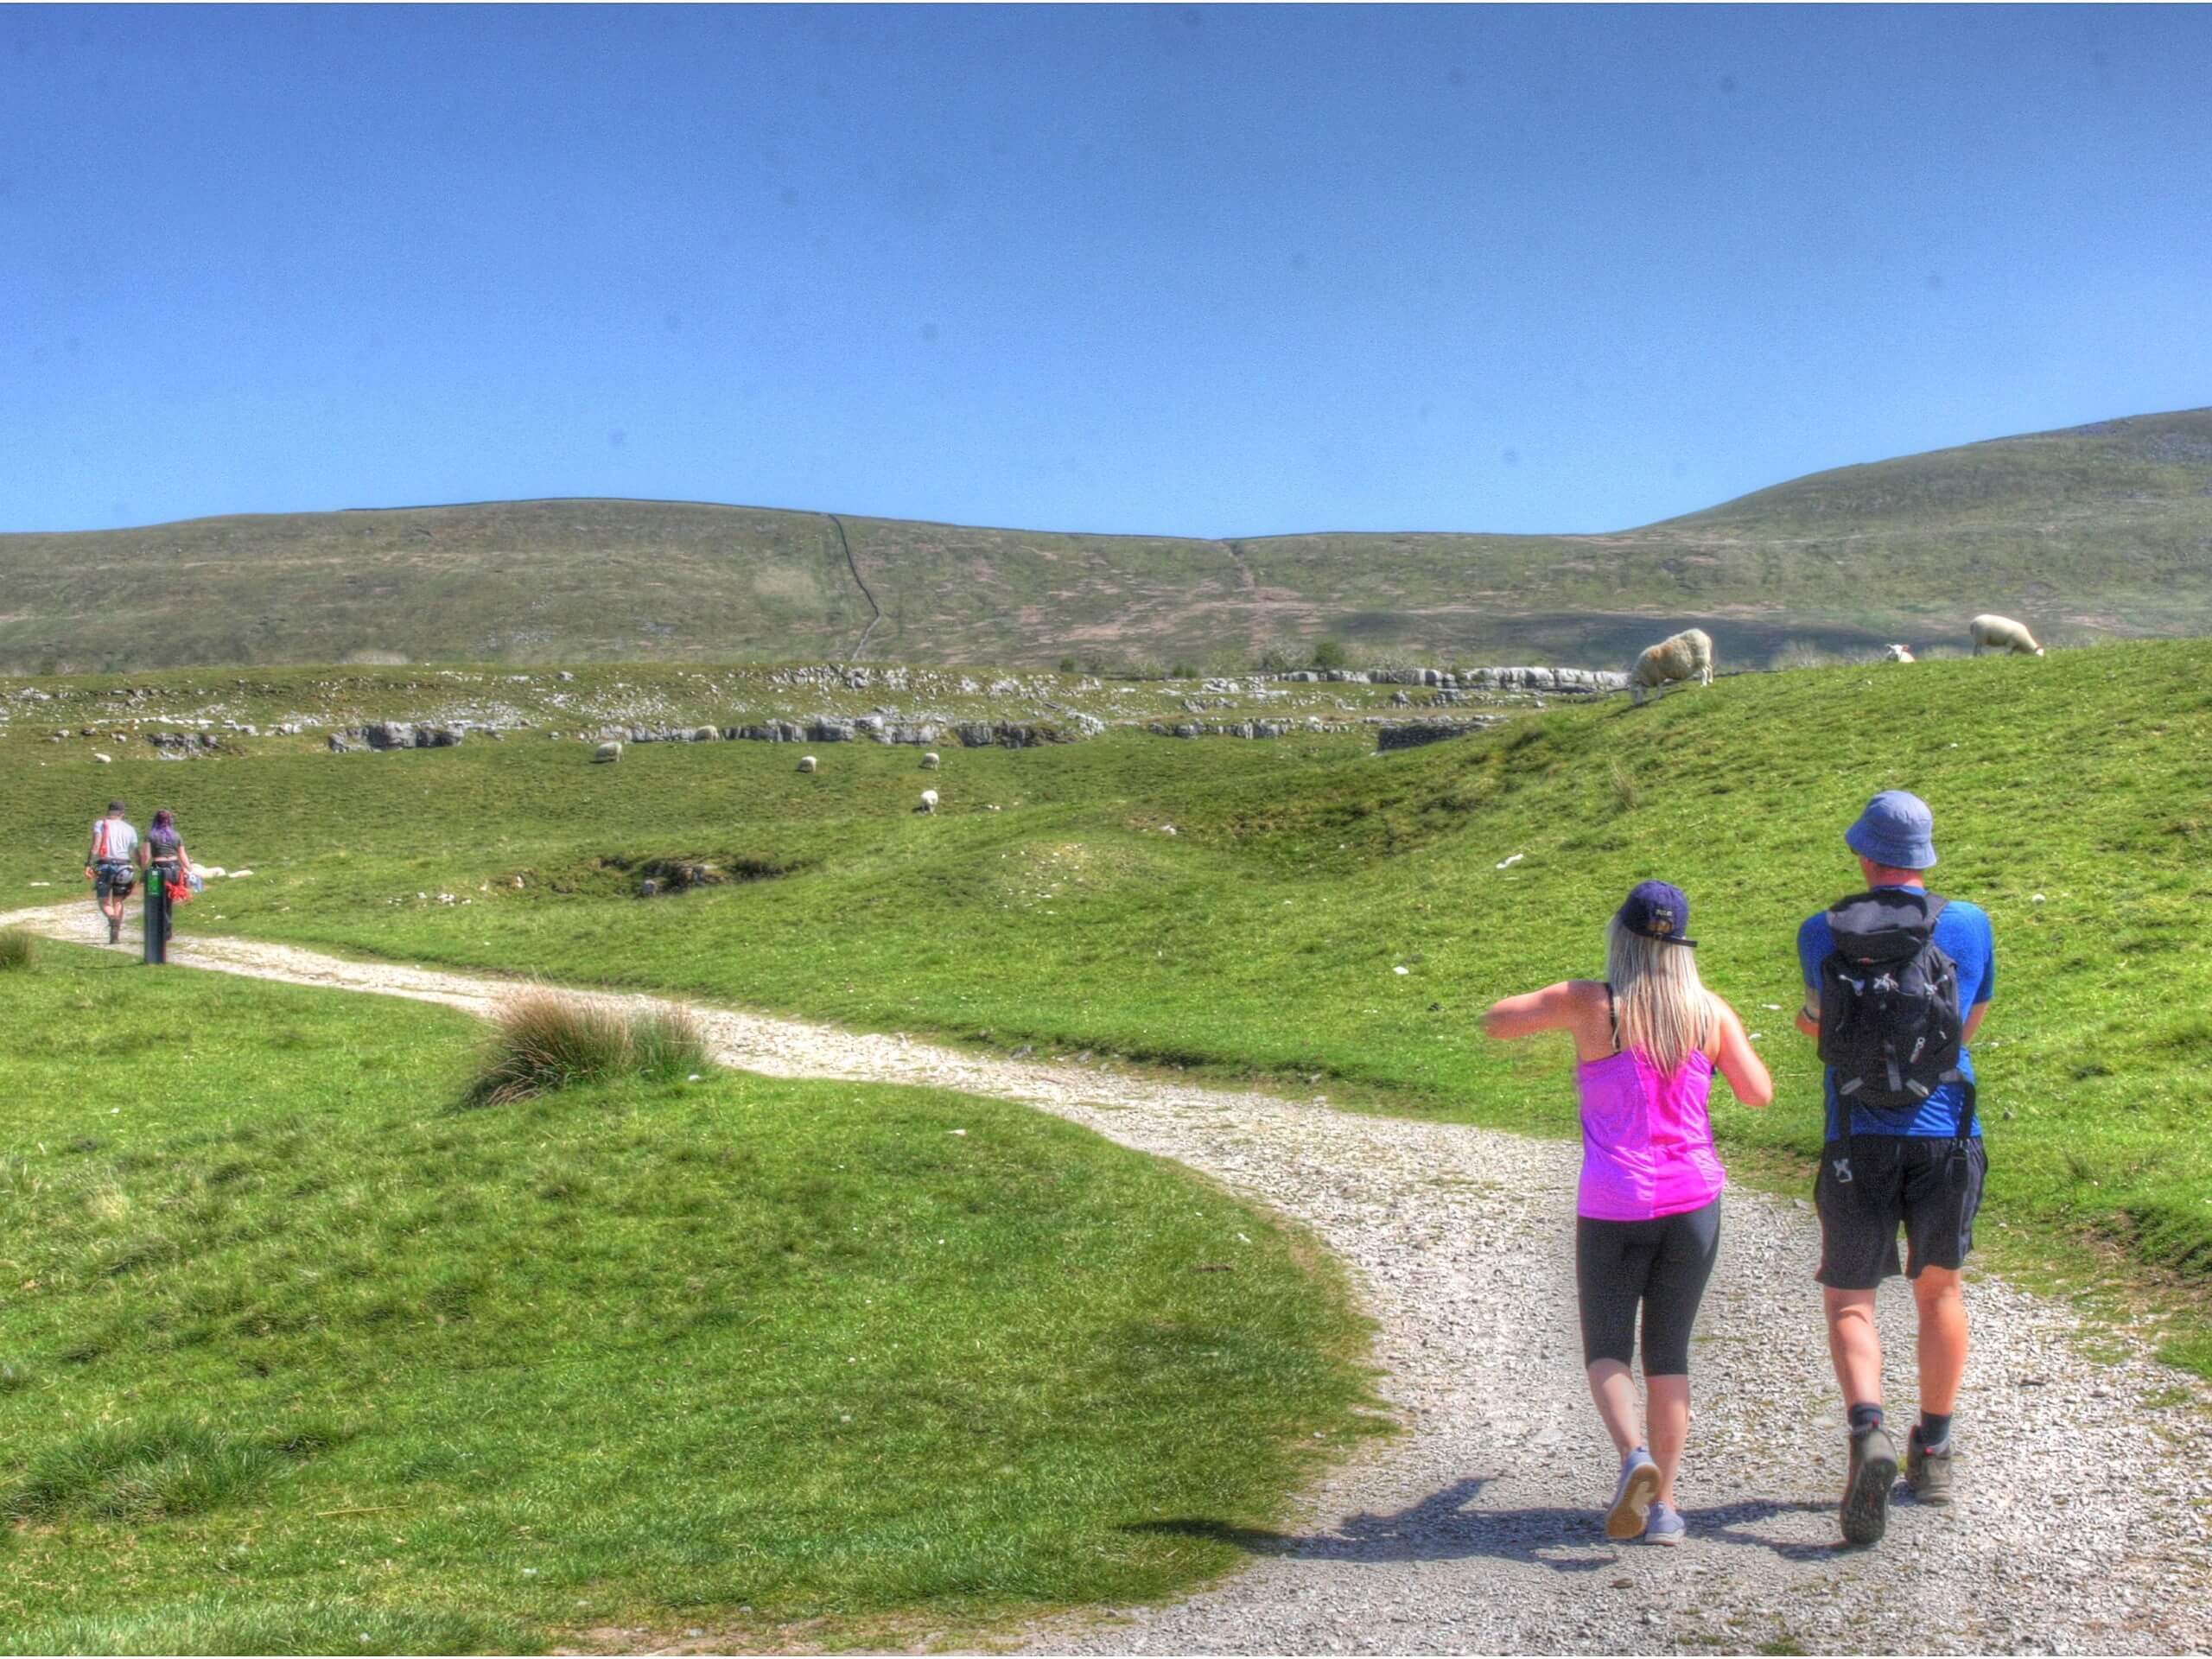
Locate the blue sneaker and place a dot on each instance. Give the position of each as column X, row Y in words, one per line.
column 1632, row 1498
column 1666, row 1525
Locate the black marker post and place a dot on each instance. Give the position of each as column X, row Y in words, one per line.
column 157, row 916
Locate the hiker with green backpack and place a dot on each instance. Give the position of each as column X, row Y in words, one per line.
column 1896, row 981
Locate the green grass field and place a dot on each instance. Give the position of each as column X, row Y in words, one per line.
column 2092, row 532
column 2073, row 798
column 300, row 1354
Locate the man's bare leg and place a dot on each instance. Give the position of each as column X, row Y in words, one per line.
column 1940, row 1298
column 1854, row 1347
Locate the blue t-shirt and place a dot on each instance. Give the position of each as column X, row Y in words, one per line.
column 1961, row 933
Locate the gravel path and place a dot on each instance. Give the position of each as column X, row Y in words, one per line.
column 2082, row 1525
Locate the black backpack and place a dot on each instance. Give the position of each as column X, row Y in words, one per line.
column 1891, row 1023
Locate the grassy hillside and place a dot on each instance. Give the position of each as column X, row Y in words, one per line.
column 298, row 1356
column 2101, row 531
column 2073, row 798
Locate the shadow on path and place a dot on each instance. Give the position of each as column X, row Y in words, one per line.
column 1441, row 1527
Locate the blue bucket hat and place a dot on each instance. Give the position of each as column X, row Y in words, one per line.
column 1897, row 830
column 1656, row 909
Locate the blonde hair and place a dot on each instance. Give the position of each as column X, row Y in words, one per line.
column 1661, row 1005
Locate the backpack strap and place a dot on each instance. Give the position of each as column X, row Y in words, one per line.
column 1965, row 1131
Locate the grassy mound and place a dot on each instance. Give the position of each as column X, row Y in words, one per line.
column 300, row 1356
column 541, row 1040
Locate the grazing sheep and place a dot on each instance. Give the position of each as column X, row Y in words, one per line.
column 1686, row 655
column 606, row 753
column 1898, row 654
column 929, row 762
column 806, row 763
column 929, row 801
column 2002, row 633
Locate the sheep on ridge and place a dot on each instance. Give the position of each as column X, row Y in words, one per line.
column 1686, row 655
column 607, row 751
column 930, row 762
column 929, row 801
column 806, row 763
column 1898, row 654
column 2002, row 633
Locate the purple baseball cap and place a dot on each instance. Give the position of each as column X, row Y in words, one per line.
column 1656, row 910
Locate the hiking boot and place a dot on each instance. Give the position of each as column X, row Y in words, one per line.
column 1866, row 1488
column 1632, row 1498
column 1666, row 1525
column 114, row 930
column 1928, row 1473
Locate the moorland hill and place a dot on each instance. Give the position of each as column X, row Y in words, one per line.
column 2096, row 531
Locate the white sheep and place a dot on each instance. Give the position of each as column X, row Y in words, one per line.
column 2002, row 633
column 930, row 762
column 1898, row 654
column 806, row 763
column 929, row 801
column 1686, row 655
column 606, row 753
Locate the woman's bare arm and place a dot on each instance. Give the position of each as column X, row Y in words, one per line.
column 1739, row 1062
column 1553, row 1008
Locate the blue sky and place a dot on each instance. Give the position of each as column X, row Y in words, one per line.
column 1203, row 270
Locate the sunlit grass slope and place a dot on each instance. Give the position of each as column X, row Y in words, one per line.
column 297, row 1354
column 2073, row 796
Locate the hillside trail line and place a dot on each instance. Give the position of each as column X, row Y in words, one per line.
column 2082, row 1524
column 875, row 611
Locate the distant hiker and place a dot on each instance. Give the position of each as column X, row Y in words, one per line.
column 108, row 866
column 1647, row 1038
column 1896, row 981
column 168, row 866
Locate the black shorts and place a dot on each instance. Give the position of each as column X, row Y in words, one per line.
column 1870, row 1185
column 112, row 877
column 1660, row 1267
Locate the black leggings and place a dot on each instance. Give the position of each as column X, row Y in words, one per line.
column 1663, row 1264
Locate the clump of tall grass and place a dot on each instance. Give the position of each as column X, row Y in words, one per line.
column 541, row 1040
column 1801, row 653
column 18, row 949
column 1625, row 793
column 142, row 1473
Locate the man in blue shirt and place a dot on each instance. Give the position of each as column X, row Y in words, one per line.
column 1920, row 1166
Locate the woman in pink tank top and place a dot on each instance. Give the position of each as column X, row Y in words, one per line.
column 1648, row 1038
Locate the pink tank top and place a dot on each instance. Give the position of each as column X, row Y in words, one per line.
column 1647, row 1144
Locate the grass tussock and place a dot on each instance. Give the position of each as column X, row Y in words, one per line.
column 18, row 949
column 1801, row 653
column 1625, row 794
column 145, row 1471
column 216, row 1624
column 544, row 1041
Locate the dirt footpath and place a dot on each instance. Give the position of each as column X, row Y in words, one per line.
column 2082, row 1520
